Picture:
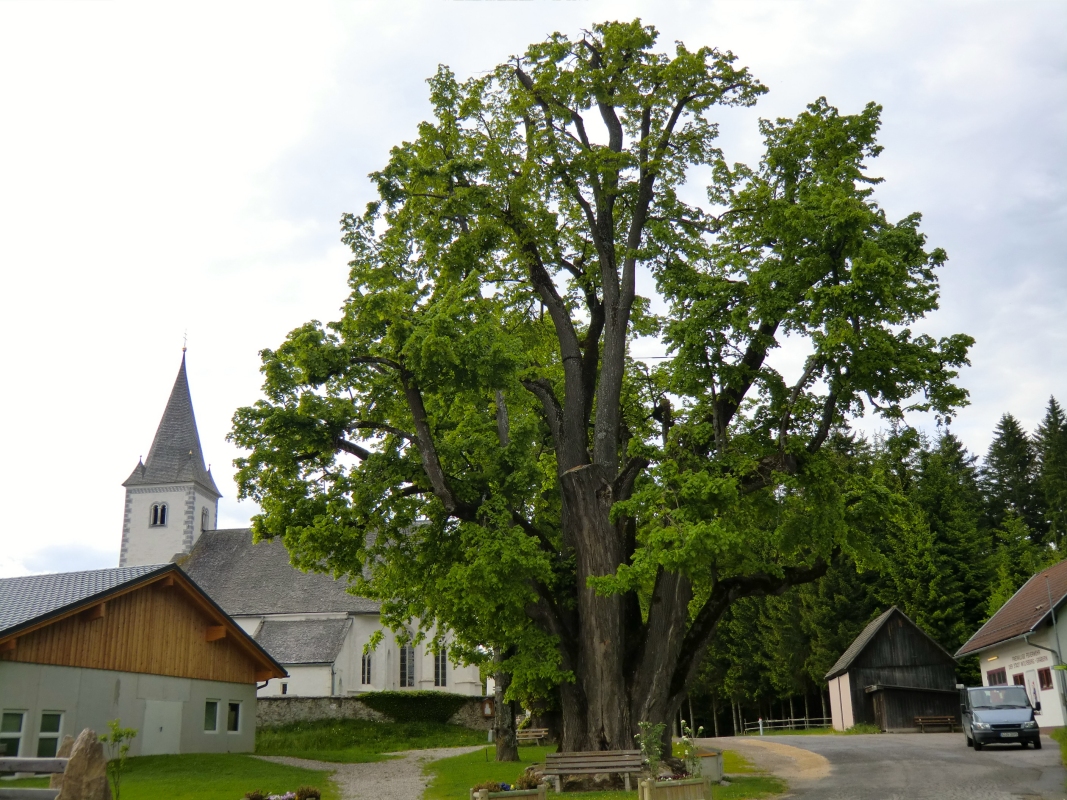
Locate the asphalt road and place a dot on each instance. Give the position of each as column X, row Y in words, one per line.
column 931, row 766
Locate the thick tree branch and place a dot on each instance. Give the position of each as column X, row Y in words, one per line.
column 541, row 388
column 379, row 426
column 351, row 448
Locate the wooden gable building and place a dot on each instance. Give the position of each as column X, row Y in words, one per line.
column 143, row 644
column 893, row 672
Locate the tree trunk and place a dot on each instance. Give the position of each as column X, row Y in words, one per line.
column 715, row 714
column 507, row 746
column 792, row 714
column 807, row 715
column 822, row 699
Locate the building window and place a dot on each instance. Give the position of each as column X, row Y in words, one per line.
column 158, row 517
column 407, row 665
column 996, row 677
column 211, row 716
column 285, row 688
column 440, row 669
column 203, row 518
column 1044, row 678
column 1018, row 680
column 233, row 718
column 11, row 733
column 48, row 737
column 365, row 675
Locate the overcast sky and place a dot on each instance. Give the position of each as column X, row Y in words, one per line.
column 183, row 167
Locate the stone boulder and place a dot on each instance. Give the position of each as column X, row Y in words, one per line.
column 65, row 746
column 86, row 775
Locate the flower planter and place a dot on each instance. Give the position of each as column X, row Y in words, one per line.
column 684, row 789
column 484, row 794
column 711, row 766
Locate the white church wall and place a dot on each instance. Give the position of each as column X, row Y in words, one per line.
column 305, row 680
column 248, row 624
column 146, row 544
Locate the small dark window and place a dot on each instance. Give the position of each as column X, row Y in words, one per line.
column 11, row 733
column 211, row 715
column 997, row 677
column 158, row 517
column 407, row 665
column 233, row 718
column 1018, row 680
column 48, row 738
column 1044, row 678
column 440, row 669
column 365, row 677
column 203, row 519
column 285, row 688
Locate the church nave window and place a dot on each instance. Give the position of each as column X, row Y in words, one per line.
column 158, row 517
column 440, row 669
column 365, row 677
column 407, row 665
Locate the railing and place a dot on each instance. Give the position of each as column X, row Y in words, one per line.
column 802, row 724
column 34, row 765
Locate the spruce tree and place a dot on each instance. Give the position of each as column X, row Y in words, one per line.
column 1051, row 443
column 1017, row 559
column 1009, row 479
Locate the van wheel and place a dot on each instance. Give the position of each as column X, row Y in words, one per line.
column 977, row 745
column 970, row 742
column 1037, row 744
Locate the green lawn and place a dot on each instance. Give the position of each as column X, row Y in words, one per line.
column 452, row 778
column 357, row 740
column 1060, row 735
column 208, row 777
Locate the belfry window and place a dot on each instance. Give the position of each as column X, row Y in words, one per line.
column 158, row 517
column 203, row 518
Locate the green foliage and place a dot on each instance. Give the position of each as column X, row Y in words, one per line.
column 1009, row 477
column 357, row 740
column 1015, row 561
column 1060, row 735
column 650, row 743
column 1051, row 443
column 690, row 749
column 117, row 741
column 419, row 706
column 428, row 444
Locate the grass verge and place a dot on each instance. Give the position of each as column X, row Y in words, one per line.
column 207, row 776
column 451, row 778
column 356, row 741
column 1060, row 735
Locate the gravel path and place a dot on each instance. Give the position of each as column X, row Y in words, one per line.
column 396, row 779
column 906, row 766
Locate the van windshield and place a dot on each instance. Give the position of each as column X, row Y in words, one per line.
column 999, row 697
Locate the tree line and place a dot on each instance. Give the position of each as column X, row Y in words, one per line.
column 965, row 536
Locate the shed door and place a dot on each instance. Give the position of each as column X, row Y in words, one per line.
column 162, row 727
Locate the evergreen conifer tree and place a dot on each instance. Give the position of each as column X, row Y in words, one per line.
column 1051, row 444
column 1009, row 479
column 1017, row 559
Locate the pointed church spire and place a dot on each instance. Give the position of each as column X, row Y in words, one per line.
column 175, row 455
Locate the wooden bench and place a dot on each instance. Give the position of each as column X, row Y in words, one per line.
column 937, row 722
column 51, row 766
column 612, row 762
column 531, row 734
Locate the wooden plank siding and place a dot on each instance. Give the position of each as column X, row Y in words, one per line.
column 160, row 628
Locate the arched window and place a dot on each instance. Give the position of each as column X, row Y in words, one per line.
column 366, row 674
column 440, row 669
column 407, row 665
column 203, row 518
column 158, row 517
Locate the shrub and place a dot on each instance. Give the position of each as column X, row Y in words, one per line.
column 308, row 793
column 528, row 780
column 255, row 794
column 415, row 706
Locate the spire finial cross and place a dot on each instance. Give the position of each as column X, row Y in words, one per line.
column 185, row 339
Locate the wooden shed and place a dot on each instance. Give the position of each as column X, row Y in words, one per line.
column 142, row 644
column 893, row 672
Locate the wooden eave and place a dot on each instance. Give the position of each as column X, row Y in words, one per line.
column 168, row 577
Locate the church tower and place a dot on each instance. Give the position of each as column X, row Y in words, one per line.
column 171, row 497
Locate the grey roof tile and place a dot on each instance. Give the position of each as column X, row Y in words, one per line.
column 28, row 598
column 313, row 641
column 175, row 455
column 246, row 578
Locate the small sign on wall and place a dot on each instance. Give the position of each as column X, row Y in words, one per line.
column 488, row 707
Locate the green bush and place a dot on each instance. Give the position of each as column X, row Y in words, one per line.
column 415, row 706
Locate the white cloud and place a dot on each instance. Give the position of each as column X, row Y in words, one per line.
column 183, row 166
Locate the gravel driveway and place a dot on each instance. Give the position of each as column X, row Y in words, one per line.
column 930, row 766
column 397, row 779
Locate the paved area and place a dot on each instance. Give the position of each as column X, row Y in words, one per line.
column 931, row 766
column 397, row 779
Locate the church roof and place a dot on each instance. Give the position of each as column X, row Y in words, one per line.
column 311, row 641
column 251, row 579
column 175, row 455
column 32, row 597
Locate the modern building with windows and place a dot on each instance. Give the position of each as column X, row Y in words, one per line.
column 308, row 622
column 1023, row 642
column 143, row 644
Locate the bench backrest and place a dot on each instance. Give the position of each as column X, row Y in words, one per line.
column 605, row 761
